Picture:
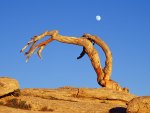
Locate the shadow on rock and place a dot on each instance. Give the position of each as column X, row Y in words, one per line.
column 118, row 110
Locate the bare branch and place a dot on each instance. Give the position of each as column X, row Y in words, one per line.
column 82, row 53
column 87, row 41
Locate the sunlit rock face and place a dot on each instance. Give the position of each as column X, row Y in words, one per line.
column 66, row 100
column 139, row 105
column 8, row 85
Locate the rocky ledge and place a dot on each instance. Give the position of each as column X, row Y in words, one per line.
column 69, row 100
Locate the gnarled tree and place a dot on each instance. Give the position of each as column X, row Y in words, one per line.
column 87, row 41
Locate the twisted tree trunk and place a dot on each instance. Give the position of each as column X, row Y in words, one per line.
column 87, row 40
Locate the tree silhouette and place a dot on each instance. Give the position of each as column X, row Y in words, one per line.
column 87, row 41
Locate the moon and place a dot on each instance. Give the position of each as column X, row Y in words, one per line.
column 98, row 18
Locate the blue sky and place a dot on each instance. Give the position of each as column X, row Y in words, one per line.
column 125, row 27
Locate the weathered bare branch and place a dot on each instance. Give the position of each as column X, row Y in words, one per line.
column 82, row 53
column 87, row 41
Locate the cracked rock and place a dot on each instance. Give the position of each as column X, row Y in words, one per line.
column 139, row 105
column 8, row 86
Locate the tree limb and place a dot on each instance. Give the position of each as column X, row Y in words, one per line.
column 87, row 41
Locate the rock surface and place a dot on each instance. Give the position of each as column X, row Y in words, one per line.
column 139, row 105
column 8, row 85
column 66, row 100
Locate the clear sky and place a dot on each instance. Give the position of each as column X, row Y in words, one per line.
column 124, row 26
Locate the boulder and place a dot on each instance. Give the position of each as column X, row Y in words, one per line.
column 8, row 86
column 139, row 105
column 67, row 100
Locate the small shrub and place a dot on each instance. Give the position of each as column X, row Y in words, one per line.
column 1, row 103
column 46, row 109
column 18, row 104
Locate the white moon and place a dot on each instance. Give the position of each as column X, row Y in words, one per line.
column 98, row 18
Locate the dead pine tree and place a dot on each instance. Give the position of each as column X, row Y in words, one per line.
column 87, row 41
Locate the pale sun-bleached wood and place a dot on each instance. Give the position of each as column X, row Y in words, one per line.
column 103, row 74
